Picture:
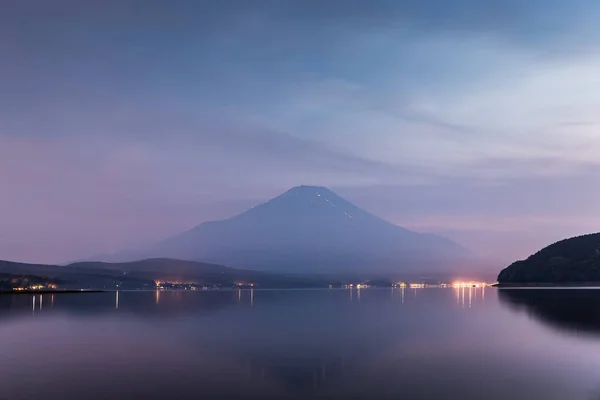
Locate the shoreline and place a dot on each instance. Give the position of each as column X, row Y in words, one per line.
column 51, row 291
column 547, row 285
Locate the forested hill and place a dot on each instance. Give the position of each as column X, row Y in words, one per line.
column 575, row 260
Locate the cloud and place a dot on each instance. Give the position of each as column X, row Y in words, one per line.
column 137, row 120
column 501, row 219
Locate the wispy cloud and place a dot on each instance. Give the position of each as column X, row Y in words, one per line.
column 464, row 111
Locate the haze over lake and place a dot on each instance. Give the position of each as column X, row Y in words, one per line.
column 405, row 343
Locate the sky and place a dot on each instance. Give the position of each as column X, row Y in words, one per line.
column 123, row 122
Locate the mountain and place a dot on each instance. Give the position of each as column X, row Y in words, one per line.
column 143, row 274
column 72, row 277
column 307, row 229
column 575, row 260
column 173, row 270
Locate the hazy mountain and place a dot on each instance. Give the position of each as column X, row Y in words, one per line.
column 307, row 229
column 173, row 270
column 73, row 277
column 142, row 274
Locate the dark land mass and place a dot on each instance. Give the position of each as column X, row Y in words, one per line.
column 144, row 274
column 570, row 262
column 10, row 281
column 50, row 291
column 68, row 277
column 309, row 229
column 172, row 270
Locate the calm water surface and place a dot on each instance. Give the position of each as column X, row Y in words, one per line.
column 409, row 344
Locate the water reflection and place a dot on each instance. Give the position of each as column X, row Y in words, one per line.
column 297, row 374
column 174, row 303
column 163, row 303
column 575, row 310
column 429, row 344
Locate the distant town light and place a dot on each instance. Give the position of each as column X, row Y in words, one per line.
column 469, row 284
column 417, row 285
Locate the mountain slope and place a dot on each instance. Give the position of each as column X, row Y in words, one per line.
column 306, row 229
column 142, row 275
column 172, row 270
column 72, row 277
column 574, row 260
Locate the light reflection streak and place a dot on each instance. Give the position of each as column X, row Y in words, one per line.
column 251, row 297
column 470, row 296
column 117, row 300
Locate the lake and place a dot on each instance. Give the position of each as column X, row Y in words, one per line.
column 373, row 343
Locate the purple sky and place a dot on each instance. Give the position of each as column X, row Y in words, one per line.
column 122, row 122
